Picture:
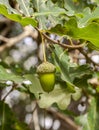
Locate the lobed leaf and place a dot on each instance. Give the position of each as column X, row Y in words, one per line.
column 88, row 33
column 17, row 17
column 80, row 71
column 35, row 87
column 47, row 13
column 61, row 60
column 60, row 95
column 4, row 76
column 25, row 7
column 88, row 16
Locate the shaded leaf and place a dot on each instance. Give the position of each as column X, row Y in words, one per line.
column 80, row 71
column 62, row 61
column 82, row 81
column 80, row 75
column 8, row 119
column 88, row 120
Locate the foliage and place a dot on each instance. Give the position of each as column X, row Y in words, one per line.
column 71, row 20
column 87, row 119
column 7, row 118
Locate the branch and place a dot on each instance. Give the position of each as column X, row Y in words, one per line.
column 7, row 94
column 4, row 20
column 36, row 118
column 13, row 87
column 59, row 43
column 67, row 120
column 63, row 45
column 9, row 42
column 88, row 58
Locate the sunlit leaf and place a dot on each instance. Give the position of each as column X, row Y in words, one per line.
column 4, row 76
column 17, row 17
column 47, row 13
column 24, row 6
column 88, row 16
column 35, row 86
column 88, row 33
column 60, row 95
column 9, row 8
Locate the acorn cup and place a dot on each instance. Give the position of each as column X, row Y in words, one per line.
column 46, row 72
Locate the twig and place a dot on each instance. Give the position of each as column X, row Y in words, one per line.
column 2, row 38
column 5, row 31
column 88, row 58
column 4, row 20
column 7, row 94
column 63, row 45
column 35, row 119
column 59, row 43
column 66, row 119
column 13, row 87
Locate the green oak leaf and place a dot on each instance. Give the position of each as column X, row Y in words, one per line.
column 17, row 17
column 35, row 86
column 25, row 7
column 4, row 76
column 88, row 33
column 62, row 61
column 48, row 14
column 60, row 95
column 80, row 71
column 88, row 16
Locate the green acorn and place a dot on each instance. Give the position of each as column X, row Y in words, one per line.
column 46, row 72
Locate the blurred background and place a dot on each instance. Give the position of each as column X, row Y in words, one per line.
column 23, row 57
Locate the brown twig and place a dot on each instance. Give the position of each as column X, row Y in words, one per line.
column 7, row 94
column 13, row 87
column 5, row 31
column 88, row 58
column 35, row 118
column 66, row 119
column 61, row 44
column 4, row 20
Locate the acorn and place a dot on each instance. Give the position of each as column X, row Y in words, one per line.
column 46, row 72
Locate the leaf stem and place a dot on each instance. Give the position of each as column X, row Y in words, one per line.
column 70, row 41
column 43, row 48
column 43, row 45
